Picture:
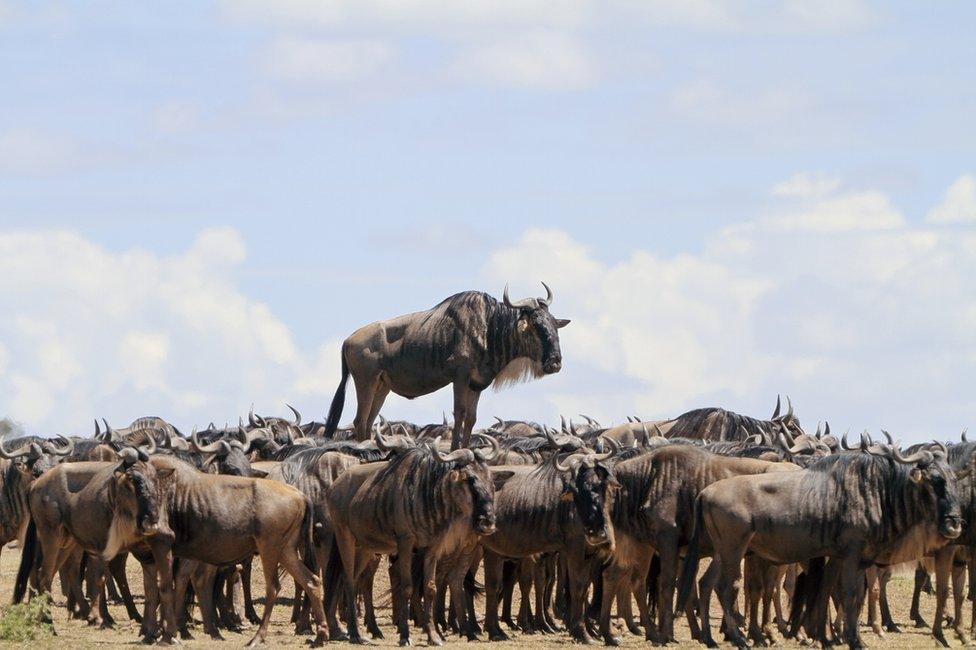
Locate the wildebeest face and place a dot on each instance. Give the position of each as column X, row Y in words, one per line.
column 937, row 476
column 541, row 330
column 136, row 493
column 475, row 480
column 593, row 490
column 230, row 461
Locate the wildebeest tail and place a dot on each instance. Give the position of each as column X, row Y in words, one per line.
column 308, row 538
column 690, row 569
column 806, row 594
column 29, row 558
column 338, row 400
column 471, row 586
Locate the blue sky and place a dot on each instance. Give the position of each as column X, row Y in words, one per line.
column 731, row 199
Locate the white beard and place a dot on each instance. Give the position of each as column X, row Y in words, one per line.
column 517, row 371
column 121, row 534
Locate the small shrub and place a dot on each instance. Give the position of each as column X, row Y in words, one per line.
column 27, row 621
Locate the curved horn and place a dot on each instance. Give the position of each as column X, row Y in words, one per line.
column 789, row 410
column 444, row 416
column 483, row 456
column 110, row 433
column 589, row 420
column 888, row 437
column 865, row 440
column 548, row 299
column 145, row 451
column 562, row 424
column 298, row 416
column 460, row 455
column 128, row 456
column 826, row 428
column 240, row 439
column 250, row 417
column 501, row 422
column 962, row 436
column 568, row 466
column 776, row 411
column 196, row 446
column 69, row 447
column 527, row 302
column 755, row 439
column 17, row 453
column 613, row 444
column 549, row 436
column 922, row 455
column 98, row 431
column 843, row 442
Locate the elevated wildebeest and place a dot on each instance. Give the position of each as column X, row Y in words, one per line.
column 561, row 505
column 469, row 340
column 420, row 499
column 857, row 509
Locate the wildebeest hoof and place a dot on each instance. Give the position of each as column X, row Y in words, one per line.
column 920, row 623
column 497, row 635
column 402, row 642
column 891, row 627
column 611, row 640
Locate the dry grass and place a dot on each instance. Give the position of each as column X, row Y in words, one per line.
column 76, row 634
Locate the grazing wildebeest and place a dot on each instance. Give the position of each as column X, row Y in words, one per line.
column 856, row 508
column 418, row 499
column 561, row 505
column 469, row 340
column 655, row 513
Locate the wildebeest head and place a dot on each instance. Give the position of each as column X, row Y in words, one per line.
column 591, row 486
column 470, row 478
column 36, row 457
column 787, row 423
column 228, row 455
column 931, row 472
column 136, row 489
column 538, row 330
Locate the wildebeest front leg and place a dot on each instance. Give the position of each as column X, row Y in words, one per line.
column 493, row 586
column 958, row 595
column 163, row 556
column 405, row 586
column 921, row 575
column 465, row 411
column 430, row 597
column 943, row 566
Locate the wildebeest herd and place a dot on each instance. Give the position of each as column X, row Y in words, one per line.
column 790, row 529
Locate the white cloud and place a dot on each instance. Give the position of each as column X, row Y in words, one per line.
column 90, row 332
column 806, row 186
column 313, row 60
column 543, row 59
column 838, row 301
column 959, row 203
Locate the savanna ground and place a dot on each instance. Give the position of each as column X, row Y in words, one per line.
column 76, row 634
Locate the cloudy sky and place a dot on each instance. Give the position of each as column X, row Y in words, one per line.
column 199, row 201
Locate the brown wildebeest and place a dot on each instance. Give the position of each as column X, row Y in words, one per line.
column 856, row 509
column 418, row 499
column 469, row 340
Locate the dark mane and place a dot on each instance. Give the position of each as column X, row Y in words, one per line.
column 714, row 423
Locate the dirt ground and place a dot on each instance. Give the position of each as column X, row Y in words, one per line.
column 76, row 634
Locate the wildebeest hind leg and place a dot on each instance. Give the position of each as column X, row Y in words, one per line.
column 370, row 395
column 309, row 583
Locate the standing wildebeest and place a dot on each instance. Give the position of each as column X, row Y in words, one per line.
column 654, row 513
column 857, row 509
column 419, row 499
column 469, row 340
column 561, row 505
column 718, row 424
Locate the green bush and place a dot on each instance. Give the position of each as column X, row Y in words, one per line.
column 28, row 621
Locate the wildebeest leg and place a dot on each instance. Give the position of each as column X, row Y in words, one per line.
column 543, row 579
column 346, row 545
column 753, row 593
column 430, row 592
column 117, row 567
column 772, row 579
column 181, row 589
column 874, row 594
column 269, row 565
column 525, row 570
column 577, row 580
column 614, row 576
column 366, row 589
column 163, row 557
column 667, row 549
column 706, row 585
column 555, row 596
column 465, row 411
column 71, row 584
column 249, row 612
column 493, row 582
column 511, row 573
column 921, row 575
column 370, row 394
column 310, row 583
column 149, row 629
column 204, row 584
column 943, row 567
column 886, row 620
column 405, row 586
column 852, row 596
column 730, row 580
column 958, row 596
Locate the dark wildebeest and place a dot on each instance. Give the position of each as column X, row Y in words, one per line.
column 419, row 499
column 469, row 340
column 717, row 424
column 18, row 468
column 655, row 513
column 857, row 509
column 561, row 505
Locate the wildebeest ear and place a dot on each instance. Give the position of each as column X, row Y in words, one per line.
column 917, row 475
column 500, row 478
column 562, row 322
column 258, row 473
column 164, row 472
